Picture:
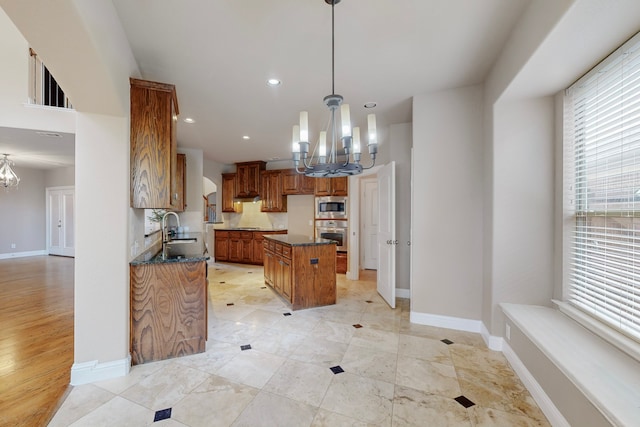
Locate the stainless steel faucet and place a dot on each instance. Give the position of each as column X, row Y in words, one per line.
column 165, row 234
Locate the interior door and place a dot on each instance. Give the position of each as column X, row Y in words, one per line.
column 369, row 223
column 60, row 221
column 387, row 233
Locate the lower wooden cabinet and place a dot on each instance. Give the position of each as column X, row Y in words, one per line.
column 241, row 246
column 168, row 310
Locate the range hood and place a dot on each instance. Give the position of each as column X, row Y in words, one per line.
column 247, row 199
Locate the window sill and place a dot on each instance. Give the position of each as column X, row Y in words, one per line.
column 608, row 377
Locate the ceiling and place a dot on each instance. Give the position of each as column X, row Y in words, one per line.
column 220, row 53
column 38, row 149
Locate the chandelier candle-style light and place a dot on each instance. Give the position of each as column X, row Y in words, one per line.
column 8, row 177
column 318, row 164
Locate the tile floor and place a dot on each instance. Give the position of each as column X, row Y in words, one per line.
column 357, row 363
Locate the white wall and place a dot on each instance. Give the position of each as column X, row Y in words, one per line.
column 60, row 177
column 447, row 203
column 400, row 141
column 22, row 214
column 193, row 216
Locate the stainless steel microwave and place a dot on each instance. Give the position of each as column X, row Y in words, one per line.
column 331, row 207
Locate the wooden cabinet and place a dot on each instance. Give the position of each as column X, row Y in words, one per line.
column 168, row 310
column 181, row 183
column 241, row 246
column 248, row 178
column 294, row 183
column 271, row 192
column 153, row 158
column 304, row 275
column 228, row 193
column 332, row 186
column 221, row 239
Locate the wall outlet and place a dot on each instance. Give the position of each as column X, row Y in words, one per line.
column 507, row 331
column 13, row 246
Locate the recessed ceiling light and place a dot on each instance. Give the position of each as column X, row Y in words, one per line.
column 189, row 120
column 246, row 137
column 274, row 82
column 370, row 105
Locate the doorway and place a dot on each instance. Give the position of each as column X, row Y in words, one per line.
column 61, row 221
column 369, row 222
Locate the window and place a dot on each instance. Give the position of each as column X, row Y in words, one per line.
column 602, row 191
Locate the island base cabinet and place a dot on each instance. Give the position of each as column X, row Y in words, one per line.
column 305, row 275
column 168, row 310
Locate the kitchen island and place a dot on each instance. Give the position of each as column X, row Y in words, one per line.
column 168, row 306
column 301, row 270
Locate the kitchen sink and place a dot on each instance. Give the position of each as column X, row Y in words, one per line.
column 181, row 241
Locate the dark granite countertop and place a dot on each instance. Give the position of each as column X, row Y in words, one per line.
column 178, row 251
column 249, row 229
column 299, row 240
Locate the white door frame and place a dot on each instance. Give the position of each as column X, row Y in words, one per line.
column 386, row 277
column 48, row 192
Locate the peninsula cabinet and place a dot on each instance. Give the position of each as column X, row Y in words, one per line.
column 294, row 183
column 271, row 192
column 241, row 246
column 153, row 157
column 228, row 193
column 331, row 186
column 248, row 178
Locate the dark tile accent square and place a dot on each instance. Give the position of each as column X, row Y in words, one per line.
column 162, row 414
column 286, row 314
column 249, row 272
column 464, row 401
column 263, row 287
column 221, row 282
column 229, row 304
column 245, row 347
column 357, row 326
column 368, row 301
column 446, row 341
column 337, row 370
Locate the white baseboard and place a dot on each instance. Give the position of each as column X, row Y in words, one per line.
column 403, row 293
column 552, row 413
column 437, row 320
column 23, row 254
column 493, row 342
column 88, row 372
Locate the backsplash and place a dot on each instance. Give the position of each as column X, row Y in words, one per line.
column 251, row 216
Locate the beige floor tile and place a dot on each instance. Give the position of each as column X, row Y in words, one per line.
column 487, row 417
column 215, row 357
column 215, row 403
column 277, row 342
column 251, row 367
column 378, row 365
column 416, row 408
column 360, row 398
column 326, row 418
column 117, row 412
column 425, row 349
column 301, row 381
column 429, row 377
column 376, row 339
column 165, row 387
column 80, row 402
column 480, row 359
column 320, row 351
column 384, row 322
column 333, row 331
column 270, row 410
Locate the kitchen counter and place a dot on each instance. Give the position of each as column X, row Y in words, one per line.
column 176, row 251
column 299, row 240
column 249, row 229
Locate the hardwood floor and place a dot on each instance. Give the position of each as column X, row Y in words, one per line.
column 36, row 337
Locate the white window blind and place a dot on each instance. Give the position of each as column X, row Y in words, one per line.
column 602, row 190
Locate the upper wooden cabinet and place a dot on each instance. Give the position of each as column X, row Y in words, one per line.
column 248, row 178
column 271, row 193
column 294, row 183
column 332, row 186
column 228, row 193
column 154, row 115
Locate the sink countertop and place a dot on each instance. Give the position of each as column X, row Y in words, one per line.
column 251, row 229
column 299, row 240
column 183, row 252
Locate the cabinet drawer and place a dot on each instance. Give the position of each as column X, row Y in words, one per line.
column 278, row 249
column 272, row 245
column 265, row 245
column 222, row 234
column 286, row 251
column 246, row 235
column 235, row 234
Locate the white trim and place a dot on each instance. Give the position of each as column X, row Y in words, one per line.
column 403, row 293
column 88, row 372
column 458, row 323
column 545, row 403
column 23, row 254
column 493, row 342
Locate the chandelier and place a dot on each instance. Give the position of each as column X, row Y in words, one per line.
column 318, row 164
column 8, row 177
